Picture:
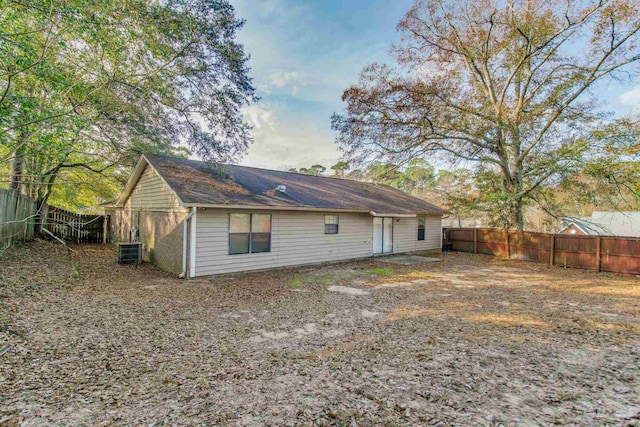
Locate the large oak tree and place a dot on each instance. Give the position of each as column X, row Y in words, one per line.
column 507, row 86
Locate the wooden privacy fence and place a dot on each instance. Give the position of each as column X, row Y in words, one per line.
column 599, row 253
column 20, row 219
column 17, row 218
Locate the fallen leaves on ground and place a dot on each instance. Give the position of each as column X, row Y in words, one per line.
column 472, row 340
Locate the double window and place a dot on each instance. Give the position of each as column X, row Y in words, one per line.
column 331, row 224
column 421, row 222
column 249, row 233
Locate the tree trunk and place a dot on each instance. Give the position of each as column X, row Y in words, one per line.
column 512, row 179
column 17, row 170
column 44, row 192
column 41, row 216
column 519, row 214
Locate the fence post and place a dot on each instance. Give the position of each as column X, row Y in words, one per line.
column 598, row 253
column 475, row 240
column 508, row 245
column 552, row 255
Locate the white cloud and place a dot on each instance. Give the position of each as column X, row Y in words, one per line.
column 301, row 64
column 631, row 98
column 258, row 117
column 282, row 79
column 282, row 144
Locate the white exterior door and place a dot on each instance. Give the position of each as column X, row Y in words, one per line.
column 377, row 235
column 382, row 235
column 387, row 235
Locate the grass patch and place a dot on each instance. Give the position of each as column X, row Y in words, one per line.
column 75, row 274
column 383, row 271
column 332, row 277
column 296, row 282
column 322, row 279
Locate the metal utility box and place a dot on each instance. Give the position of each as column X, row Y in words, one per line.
column 130, row 253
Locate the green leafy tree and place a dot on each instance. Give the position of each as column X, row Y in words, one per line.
column 418, row 176
column 340, row 169
column 315, row 170
column 86, row 87
column 356, row 174
column 608, row 180
column 456, row 191
column 503, row 85
column 385, row 173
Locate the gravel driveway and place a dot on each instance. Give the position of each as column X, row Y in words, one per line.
column 472, row 340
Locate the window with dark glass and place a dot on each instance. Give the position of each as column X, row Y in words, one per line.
column 421, row 222
column 249, row 233
column 260, row 233
column 331, row 224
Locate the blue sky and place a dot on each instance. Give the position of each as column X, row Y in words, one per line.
column 305, row 53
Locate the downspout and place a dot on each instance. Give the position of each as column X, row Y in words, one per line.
column 185, row 241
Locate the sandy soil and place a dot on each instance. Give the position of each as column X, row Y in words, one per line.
column 472, row 340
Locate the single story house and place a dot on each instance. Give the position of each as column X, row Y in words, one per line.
column 197, row 218
column 621, row 224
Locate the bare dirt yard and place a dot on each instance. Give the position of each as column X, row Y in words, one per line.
column 472, row 340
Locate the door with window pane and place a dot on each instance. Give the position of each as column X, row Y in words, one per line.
column 382, row 235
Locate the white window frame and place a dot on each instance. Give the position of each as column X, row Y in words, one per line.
column 229, row 233
column 337, row 224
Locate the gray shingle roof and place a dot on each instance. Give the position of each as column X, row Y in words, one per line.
column 623, row 224
column 202, row 183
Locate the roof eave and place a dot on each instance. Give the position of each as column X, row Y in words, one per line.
column 306, row 208
column 271, row 207
column 131, row 182
column 394, row 215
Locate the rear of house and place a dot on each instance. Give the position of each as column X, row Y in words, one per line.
column 198, row 219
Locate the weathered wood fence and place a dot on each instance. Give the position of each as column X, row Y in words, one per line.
column 17, row 218
column 20, row 219
column 78, row 228
column 599, row 253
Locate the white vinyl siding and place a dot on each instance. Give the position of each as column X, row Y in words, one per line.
column 151, row 193
column 405, row 234
column 298, row 238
